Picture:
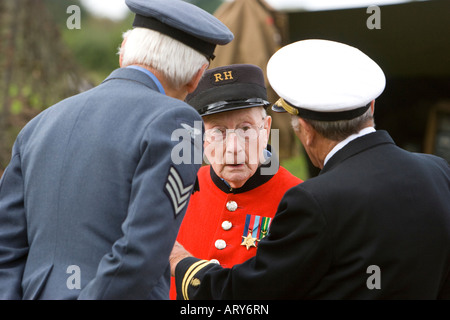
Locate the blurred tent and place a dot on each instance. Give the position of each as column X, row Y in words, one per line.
column 413, row 48
column 258, row 31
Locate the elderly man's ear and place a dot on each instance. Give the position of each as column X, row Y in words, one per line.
column 307, row 132
column 192, row 85
column 267, row 127
column 121, row 51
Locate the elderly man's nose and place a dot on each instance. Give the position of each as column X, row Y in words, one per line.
column 232, row 142
column 234, row 149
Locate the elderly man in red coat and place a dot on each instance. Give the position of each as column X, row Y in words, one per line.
column 232, row 212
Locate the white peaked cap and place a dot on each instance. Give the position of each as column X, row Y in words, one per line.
column 324, row 80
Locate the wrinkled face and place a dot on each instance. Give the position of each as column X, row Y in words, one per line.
column 235, row 141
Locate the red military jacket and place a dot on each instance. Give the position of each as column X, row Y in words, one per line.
column 225, row 224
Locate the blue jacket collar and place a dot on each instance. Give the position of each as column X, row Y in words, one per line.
column 133, row 75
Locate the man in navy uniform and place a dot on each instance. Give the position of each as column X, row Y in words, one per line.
column 375, row 224
column 91, row 202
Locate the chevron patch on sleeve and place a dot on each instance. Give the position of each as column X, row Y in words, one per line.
column 176, row 191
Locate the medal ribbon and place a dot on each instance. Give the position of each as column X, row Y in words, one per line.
column 251, row 225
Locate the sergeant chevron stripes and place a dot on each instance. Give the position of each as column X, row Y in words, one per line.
column 177, row 192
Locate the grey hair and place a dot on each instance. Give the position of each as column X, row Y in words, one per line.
column 175, row 60
column 337, row 130
column 264, row 112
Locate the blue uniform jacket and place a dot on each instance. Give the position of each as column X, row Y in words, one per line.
column 92, row 200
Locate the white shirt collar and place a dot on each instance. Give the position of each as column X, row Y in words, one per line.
column 344, row 142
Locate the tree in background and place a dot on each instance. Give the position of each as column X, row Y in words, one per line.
column 37, row 68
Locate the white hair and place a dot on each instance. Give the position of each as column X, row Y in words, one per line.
column 175, row 60
column 337, row 130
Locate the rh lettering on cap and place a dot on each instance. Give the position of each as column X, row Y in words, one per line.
column 222, row 76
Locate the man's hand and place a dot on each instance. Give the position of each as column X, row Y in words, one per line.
column 178, row 254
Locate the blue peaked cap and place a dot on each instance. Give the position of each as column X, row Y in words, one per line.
column 182, row 21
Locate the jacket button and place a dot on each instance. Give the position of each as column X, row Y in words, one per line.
column 232, row 206
column 220, row 244
column 226, row 225
column 215, row 261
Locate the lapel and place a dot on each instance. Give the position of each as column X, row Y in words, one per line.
column 356, row 146
column 132, row 75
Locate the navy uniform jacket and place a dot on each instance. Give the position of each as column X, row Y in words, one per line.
column 91, row 202
column 375, row 224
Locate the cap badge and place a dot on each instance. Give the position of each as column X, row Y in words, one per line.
column 223, row 76
column 283, row 104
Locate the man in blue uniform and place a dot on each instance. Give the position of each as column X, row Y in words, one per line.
column 91, row 202
column 375, row 223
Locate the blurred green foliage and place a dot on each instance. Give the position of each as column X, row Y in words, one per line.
column 207, row 5
column 37, row 68
column 96, row 44
column 297, row 165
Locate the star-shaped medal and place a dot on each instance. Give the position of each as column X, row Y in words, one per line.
column 249, row 241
